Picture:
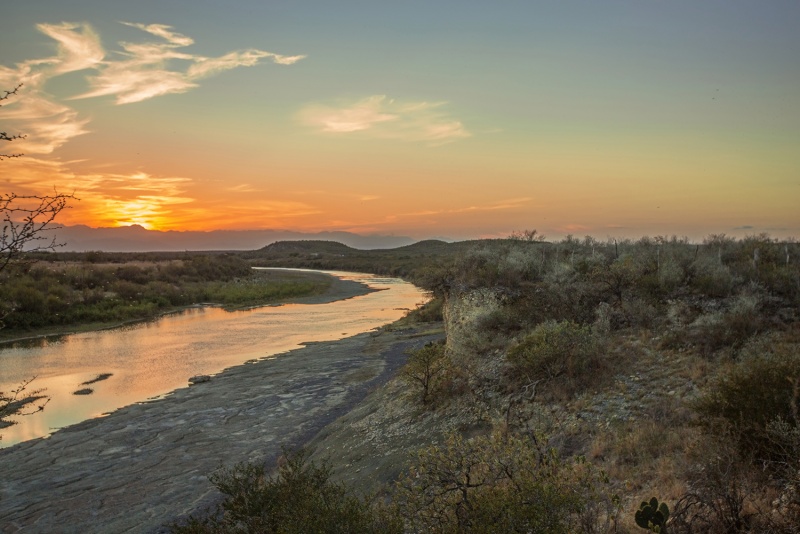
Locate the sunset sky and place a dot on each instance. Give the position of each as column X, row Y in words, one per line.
column 457, row 119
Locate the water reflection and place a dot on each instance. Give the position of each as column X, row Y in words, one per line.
column 151, row 359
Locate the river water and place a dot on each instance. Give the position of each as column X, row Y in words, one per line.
column 149, row 360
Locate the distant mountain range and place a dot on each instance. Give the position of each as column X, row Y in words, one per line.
column 138, row 239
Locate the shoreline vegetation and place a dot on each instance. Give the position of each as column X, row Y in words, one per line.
column 52, row 298
column 315, row 288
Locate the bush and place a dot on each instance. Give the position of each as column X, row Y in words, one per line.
column 424, row 370
column 721, row 496
column 751, row 394
column 431, row 312
column 559, row 350
column 711, row 278
column 501, row 483
column 731, row 327
column 299, row 499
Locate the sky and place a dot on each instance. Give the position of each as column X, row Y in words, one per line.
column 456, row 119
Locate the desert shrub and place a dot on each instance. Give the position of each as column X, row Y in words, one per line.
column 299, row 499
column 603, row 319
column 502, row 483
column 574, row 301
column 564, row 351
column 431, row 312
column 511, row 318
column 502, row 262
column 749, row 395
column 560, row 274
column 730, row 327
column 671, row 275
column 711, row 278
column 425, row 370
column 785, row 440
column 638, row 313
column 618, row 279
column 726, row 494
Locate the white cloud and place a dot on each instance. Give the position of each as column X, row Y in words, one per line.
column 136, row 72
column 134, row 85
column 78, row 46
column 204, row 66
column 148, row 69
column 46, row 124
column 163, row 31
column 383, row 117
column 362, row 115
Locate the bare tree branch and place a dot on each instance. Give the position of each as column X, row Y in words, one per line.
column 5, row 136
column 18, row 401
column 25, row 221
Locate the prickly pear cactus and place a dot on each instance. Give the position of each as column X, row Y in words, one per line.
column 652, row 516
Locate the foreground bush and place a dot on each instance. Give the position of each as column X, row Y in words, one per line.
column 299, row 499
column 747, row 397
column 502, row 483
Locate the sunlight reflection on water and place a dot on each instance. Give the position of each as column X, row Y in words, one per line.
column 149, row 360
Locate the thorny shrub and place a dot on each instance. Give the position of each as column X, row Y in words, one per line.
column 299, row 499
column 560, row 351
column 752, row 393
column 502, row 483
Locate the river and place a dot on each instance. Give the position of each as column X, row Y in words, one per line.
column 151, row 359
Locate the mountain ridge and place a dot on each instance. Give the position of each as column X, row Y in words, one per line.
column 135, row 238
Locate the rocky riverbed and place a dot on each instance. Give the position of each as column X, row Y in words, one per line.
column 147, row 464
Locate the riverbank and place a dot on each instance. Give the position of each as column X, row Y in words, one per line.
column 147, row 464
column 337, row 289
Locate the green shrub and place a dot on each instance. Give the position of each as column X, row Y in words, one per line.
column 424, row 370
column 730, row 327
column 501, row 483
column 299, row 499
column 432, row 311
column 711, row 278
column 753, row 393
column 559, row 350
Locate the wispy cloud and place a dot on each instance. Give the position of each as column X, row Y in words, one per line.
column 156, row 66
column 46, row 123
column 383, row 117
column 163, row 31
column 148, row 69
column 78, row 47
